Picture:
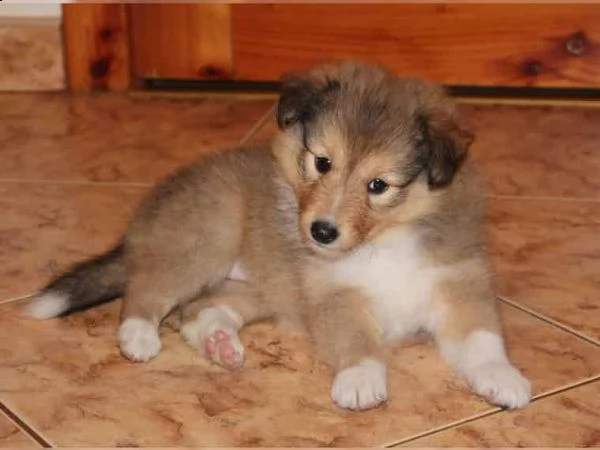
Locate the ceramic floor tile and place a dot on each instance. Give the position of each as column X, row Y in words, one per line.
column 538, row 151
column 115, row 138
column 46, row 227
column 66, row 377
column 12, row 436
column 547, row 254
column 31, row 57
column 530, row 151
column 567, row 419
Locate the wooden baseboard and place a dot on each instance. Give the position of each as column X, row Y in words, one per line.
column 31, row 55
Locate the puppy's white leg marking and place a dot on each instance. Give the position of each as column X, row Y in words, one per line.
column 215, row 334
column 502, row 384
column 481, row 359
column 47, row 305
column 362, row 386
column 139, row 339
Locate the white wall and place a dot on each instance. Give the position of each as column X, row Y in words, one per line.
column 18, row 8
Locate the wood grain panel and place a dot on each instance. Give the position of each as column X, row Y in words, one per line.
column 181, row 41
column 96, row 47
column 494, row 45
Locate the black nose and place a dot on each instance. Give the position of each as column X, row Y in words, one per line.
column 323, row 232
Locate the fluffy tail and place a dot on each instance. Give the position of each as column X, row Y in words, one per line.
column 85, row 285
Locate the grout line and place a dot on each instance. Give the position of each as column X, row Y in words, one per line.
column 257, row 126
column 16, row 299
column 476, row 417
column 567, row 387
column 23, row 426
column 549, row 320
column 79, row 183
column 543, row 198
column 445, row 427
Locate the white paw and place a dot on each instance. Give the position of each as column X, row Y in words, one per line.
column 501, row 384
column 139, row 339
column 360, row 387
column 47, row 305
column 215, row 334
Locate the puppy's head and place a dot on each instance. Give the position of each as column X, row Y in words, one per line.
column 364, row 151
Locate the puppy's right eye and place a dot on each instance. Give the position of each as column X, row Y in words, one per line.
column 377, row 186
column 322, row 164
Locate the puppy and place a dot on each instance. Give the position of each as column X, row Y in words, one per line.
column 361, row 224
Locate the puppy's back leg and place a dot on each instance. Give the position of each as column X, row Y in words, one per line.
column 211, row 324
column 154, row 290
column 172, row 263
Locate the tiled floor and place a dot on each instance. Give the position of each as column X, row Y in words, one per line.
column 12, row 436
column 72, row 169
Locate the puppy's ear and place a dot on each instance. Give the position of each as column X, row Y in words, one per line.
column 444, row 143
column 303, row 97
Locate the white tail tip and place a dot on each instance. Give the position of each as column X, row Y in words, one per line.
column 46, row 306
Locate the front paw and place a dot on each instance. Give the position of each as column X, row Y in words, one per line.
column 360, row 387
column 501, row 384
column 139, row 340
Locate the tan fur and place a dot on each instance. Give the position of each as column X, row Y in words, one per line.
column 187, row 239
column 253, row 209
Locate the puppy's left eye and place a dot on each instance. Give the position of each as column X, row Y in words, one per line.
column 377, row 186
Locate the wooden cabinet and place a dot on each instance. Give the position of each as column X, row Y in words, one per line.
column 501, row 45
column 482, row 45
column 182, row 41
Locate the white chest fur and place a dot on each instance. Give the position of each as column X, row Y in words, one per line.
column 397, row 280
